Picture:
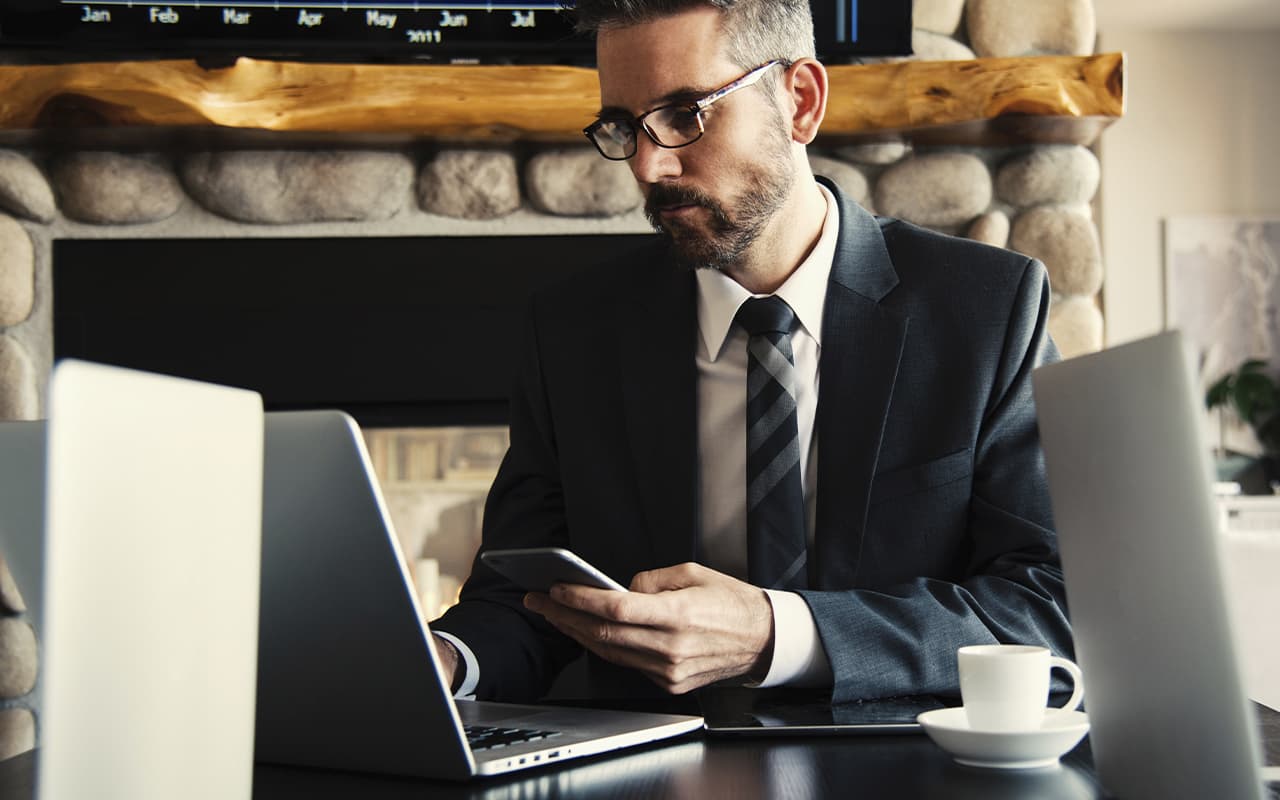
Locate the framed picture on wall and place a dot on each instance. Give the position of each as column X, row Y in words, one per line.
column 1222, row 289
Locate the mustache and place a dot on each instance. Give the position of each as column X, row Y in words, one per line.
column 666, row 195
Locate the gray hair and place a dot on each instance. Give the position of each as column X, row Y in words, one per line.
column 755, row 31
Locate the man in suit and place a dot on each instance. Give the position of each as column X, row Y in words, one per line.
column 804, row 436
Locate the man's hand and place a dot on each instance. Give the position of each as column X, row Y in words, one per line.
column 684, row 627
column 448, row 655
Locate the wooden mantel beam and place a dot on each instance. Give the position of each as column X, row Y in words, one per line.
column 535, row 102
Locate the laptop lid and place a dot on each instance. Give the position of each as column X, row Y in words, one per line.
column 1130, row 484
column 152, row 525
column 347, row 675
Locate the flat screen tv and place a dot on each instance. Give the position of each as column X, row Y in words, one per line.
column 484, row 31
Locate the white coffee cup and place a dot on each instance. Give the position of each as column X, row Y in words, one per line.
column 1005, row 687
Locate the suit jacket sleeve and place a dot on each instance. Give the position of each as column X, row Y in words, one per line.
column 601, row 462
column 901, row 637
column 519, row 653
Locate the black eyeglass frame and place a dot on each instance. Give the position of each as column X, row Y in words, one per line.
column 696, row 108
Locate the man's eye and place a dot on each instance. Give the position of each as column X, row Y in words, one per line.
column 684, row 121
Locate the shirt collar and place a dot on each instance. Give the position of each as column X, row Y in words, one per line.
column 720, row 296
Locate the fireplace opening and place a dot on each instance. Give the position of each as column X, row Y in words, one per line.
column 403, row 331
column 416, row 338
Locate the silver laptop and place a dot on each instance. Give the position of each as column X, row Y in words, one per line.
column 1131, row 488
column 152, row 537
column 347, row 676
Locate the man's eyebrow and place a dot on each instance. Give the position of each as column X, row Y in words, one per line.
column 684, row 94
column 612, row 111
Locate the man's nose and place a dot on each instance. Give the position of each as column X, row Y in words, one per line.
column 653, row 163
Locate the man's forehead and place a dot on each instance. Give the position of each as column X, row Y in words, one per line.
column 669, row 58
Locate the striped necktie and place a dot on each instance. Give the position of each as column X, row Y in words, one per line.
column 776, row 552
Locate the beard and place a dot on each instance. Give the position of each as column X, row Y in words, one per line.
column 732, row 227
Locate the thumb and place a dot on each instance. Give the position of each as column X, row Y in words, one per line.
column 681, row 576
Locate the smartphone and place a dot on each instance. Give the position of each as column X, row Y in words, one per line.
column 536, row 568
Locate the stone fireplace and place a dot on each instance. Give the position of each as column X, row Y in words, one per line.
column 1034, row 199
column 1032, row 196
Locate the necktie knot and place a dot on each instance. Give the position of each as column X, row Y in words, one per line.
column 770, row 314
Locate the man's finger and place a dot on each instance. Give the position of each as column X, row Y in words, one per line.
column 610, row 641
column 630, row 608
column 587, row 627
column 657, row 666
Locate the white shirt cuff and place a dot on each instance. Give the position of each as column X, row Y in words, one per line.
column 799, row 659
column 471, row 667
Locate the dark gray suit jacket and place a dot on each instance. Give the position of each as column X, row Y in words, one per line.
column 933, row 524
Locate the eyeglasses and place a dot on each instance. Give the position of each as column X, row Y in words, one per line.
column 671, row 126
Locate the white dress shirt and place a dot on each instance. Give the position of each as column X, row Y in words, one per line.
column 799, row 658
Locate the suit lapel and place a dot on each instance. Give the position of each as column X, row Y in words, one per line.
column 861, row 346
column 660, row 408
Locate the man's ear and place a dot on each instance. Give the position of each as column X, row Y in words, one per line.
column 806, row 85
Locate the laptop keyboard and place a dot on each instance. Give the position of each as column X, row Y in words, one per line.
column 485, row 737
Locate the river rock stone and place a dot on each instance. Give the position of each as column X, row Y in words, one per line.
column 18, row 659
column 18, row 397
column 17, row 272
column 17, row 732
column 115, row 188
column 470, row 184
column 1067, row 242
column 10, row 598
column 875, row 153
column 930, row 46
column 935, row 190
column 1049, row 175
column 297, row 186
column 1075, row 323
column 579, row 183
column 1020, row 28
column 939, row 16
column 991, row 228
column 24, row 190
column 848, row 177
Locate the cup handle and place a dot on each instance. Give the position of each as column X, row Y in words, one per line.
column 1077, row 681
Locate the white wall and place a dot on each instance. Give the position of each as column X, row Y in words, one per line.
column 1201, row 134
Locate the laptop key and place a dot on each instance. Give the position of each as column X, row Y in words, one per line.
column 485, row 737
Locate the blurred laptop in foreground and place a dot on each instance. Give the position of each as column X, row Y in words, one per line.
column 1137, row 525
column 152, row 531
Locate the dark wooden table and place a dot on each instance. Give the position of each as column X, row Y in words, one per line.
column 704, row 768
column 696, row 767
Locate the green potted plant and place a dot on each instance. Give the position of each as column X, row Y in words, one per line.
column 1254, row 397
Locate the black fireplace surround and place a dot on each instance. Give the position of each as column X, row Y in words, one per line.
column 417, row 331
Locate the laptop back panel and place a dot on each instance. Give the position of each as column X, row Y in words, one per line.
column 348, row 678
column 153, row 526
column 1130, row 483
column 345, row 676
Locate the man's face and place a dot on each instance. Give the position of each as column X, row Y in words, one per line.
column 713, row 198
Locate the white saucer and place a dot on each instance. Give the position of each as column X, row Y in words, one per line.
column 1061, row 731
